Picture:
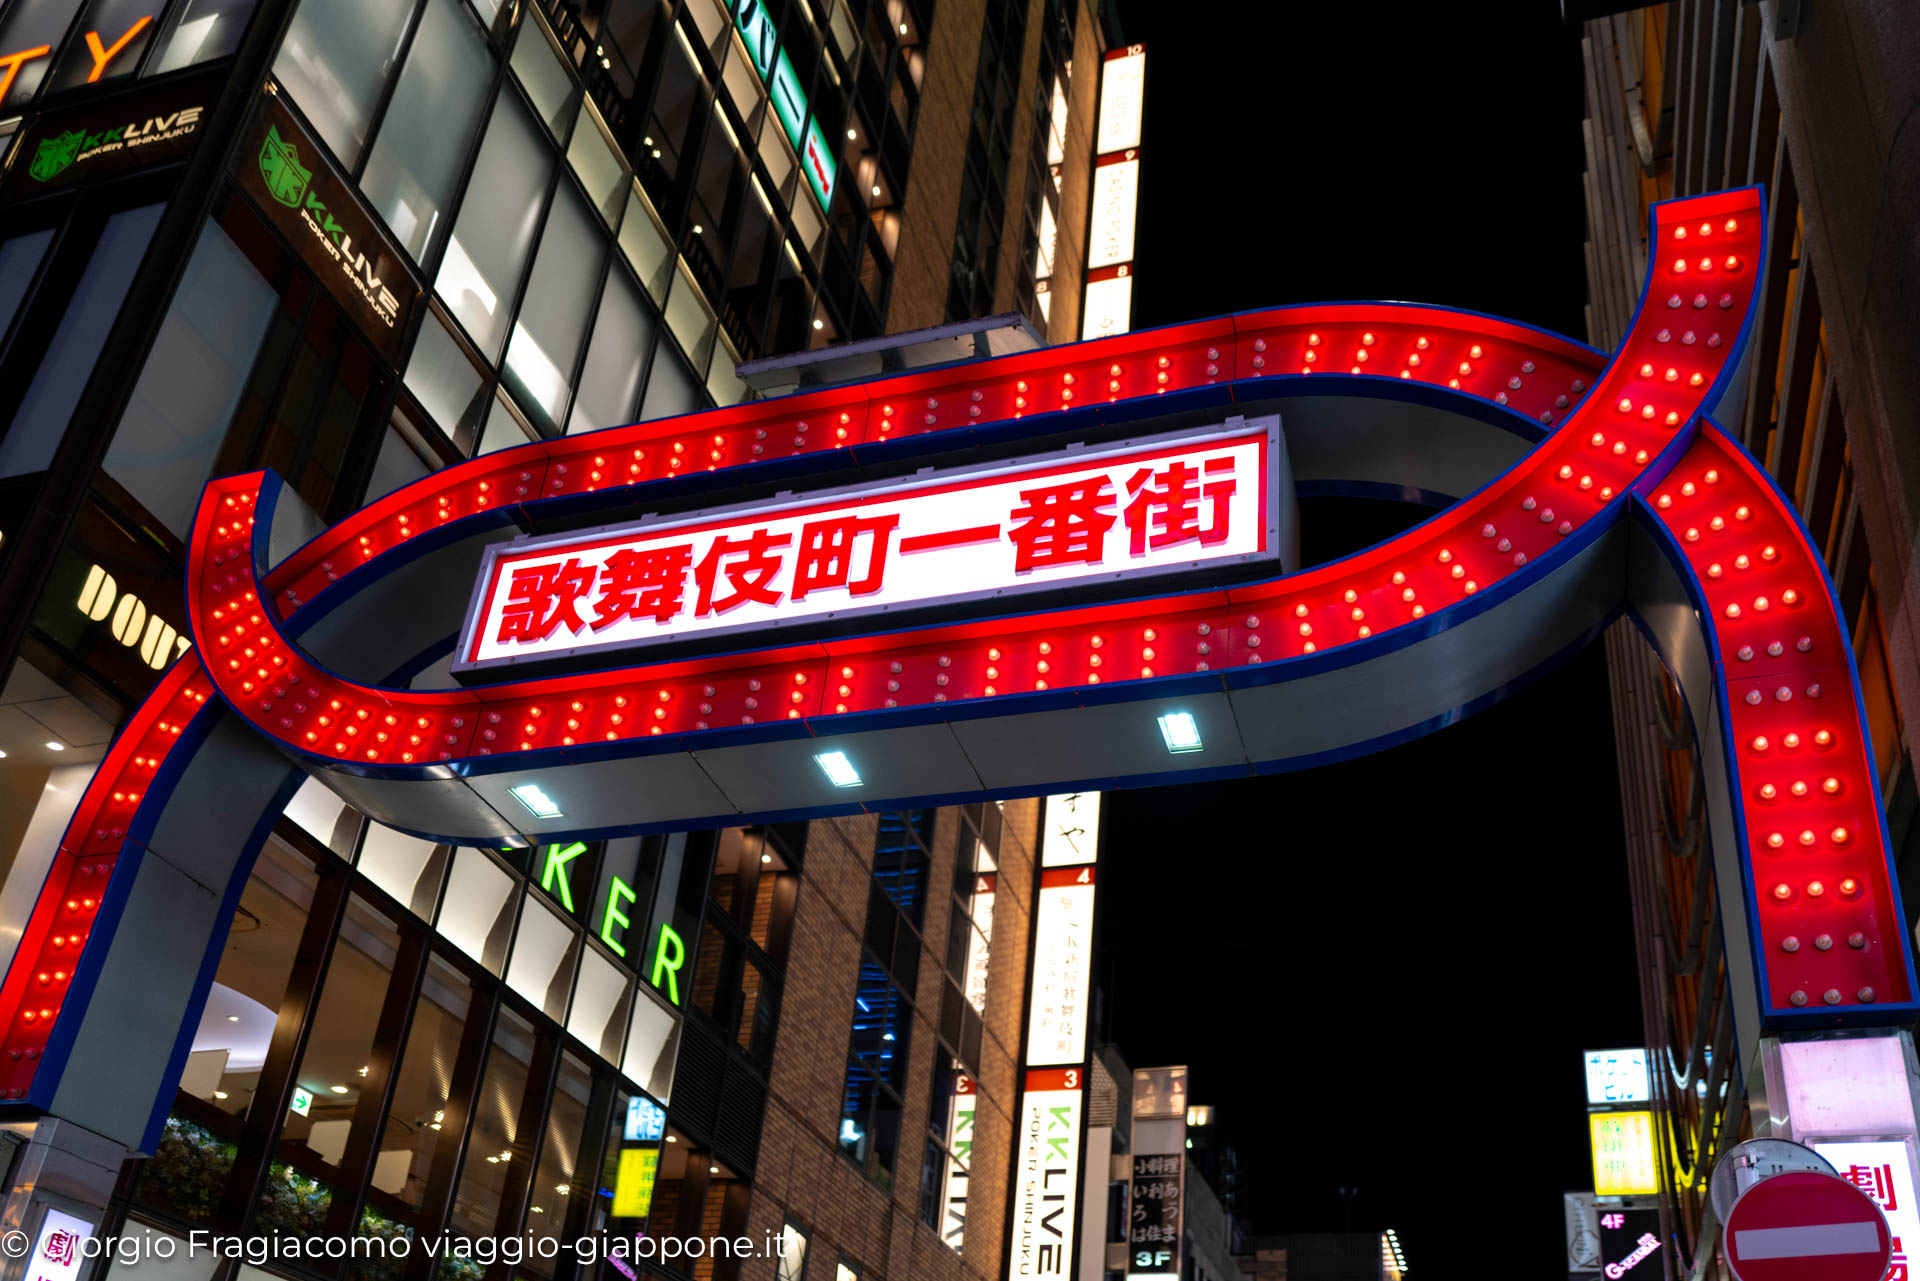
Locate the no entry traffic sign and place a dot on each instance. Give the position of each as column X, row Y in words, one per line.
column 1807, row 1227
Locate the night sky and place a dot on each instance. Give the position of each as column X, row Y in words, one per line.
column 1382, row 974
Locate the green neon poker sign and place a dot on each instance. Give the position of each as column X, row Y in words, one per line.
column 776, row 72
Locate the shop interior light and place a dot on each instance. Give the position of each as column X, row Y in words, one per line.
column 1181, row 731
column 535, row 798
column 839, row 770
column 54, row 745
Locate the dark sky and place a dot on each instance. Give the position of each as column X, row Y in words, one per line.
column 1382, row 973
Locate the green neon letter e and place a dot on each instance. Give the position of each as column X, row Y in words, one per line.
column 669, row 941
column 615, row 891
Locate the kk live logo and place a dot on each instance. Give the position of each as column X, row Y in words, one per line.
column 290, row 182
column 55, row 155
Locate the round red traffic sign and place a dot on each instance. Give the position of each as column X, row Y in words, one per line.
column 1807, row 1227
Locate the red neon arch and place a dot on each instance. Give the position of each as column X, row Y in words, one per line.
column 1623, row 436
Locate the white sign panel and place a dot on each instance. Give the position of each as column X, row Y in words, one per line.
column 1072, row 833
column 1123, row 86
column 953, row 1196
column 1116, row 196
column 1109, row 308
column 1617, row 1076
column 61, row 1250
column 1062, row 967
column 1073, row 517
column 1046, row 1178
column 980, row 947
column 1883, row 1170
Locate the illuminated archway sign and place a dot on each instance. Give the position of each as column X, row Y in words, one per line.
column 1593, row 487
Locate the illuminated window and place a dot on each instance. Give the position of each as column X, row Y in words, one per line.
column 414, row 169
column 552, row 321
column 492, row 238
column 616, row 358
column 199, row 31
column 417, row 1128
column 538, row 69
column 555, row 1171
column 653, row 1045
column 477, row 915
column 544, row 953
column 333, row 61
column 791, row 1263
column 446, row 381
column 495, row 1145
column 599, row 1013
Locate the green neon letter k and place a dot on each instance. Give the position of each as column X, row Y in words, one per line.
column 558, row 856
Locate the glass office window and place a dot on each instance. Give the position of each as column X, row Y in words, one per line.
column 416, row 161
column 671, row 388
column 540, row 73
column 184, row 402
column 477, row 916
column 724, row 383
column 616, row 357
column 41, row 420
column 404, row 866
column 504, row 428
column 19, row 259
column 555, row 1171
column 315, row 809
column 121, row 30
column 333, row 61
column 644, row 240
column 491, row 239
column 495, row 1141
column 416, row 1116
column 29, row 24
column 398, row 463
column 236, row 1026
column 199, row 31
column 653, row 1042
column 599, row 1012
column 596, row 163
column 446, row 382
column 553, row 315
column 335, row 1066
column 544, row 953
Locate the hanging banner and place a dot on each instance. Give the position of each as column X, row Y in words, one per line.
column 1046, row 1177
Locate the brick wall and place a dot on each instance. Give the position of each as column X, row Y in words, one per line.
column 801, row 1172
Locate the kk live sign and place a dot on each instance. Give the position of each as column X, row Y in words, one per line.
column 1075, row 519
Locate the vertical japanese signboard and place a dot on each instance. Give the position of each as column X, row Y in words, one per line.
column 1044, row 1216
column 1629, row 1240
column 1624, row 1160
column 953, row 1191
column 1883, row 1169
column 1153, row 1220
column 1046, row 1176
column 775, row 69
column 1108, row 307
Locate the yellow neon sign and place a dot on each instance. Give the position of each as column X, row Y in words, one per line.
column 1624, row 1156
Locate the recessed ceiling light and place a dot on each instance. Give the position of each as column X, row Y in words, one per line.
column 876, row 191
column 819, row 323
column 1180, row 731
column 535, row 798
column 233, row 1018
column 853, row 135
column 3, row 755
column 339, row 1089
column 903, row 28
column 54, row 745
column 839, row 770
column 219, row 1094
column 766, row 858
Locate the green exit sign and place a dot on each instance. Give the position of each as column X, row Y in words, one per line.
column 302, row 1101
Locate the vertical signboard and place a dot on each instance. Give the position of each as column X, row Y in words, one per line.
column 775, row 69
column 1617, row 1076
column 1153, row 1222
column 1624, row 1162
column 1629, row 1240
column 1883, row 1169
column 953, row 1191
column 1046, row 1176
column 1108, row 306
column 1583, row 1236
column 1043, row 1220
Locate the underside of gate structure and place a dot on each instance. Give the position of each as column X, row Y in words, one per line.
column 1571, row 487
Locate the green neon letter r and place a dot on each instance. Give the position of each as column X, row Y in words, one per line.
column 669, row 941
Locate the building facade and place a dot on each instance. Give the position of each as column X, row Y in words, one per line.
column 356, row 243
column 1690, row 97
